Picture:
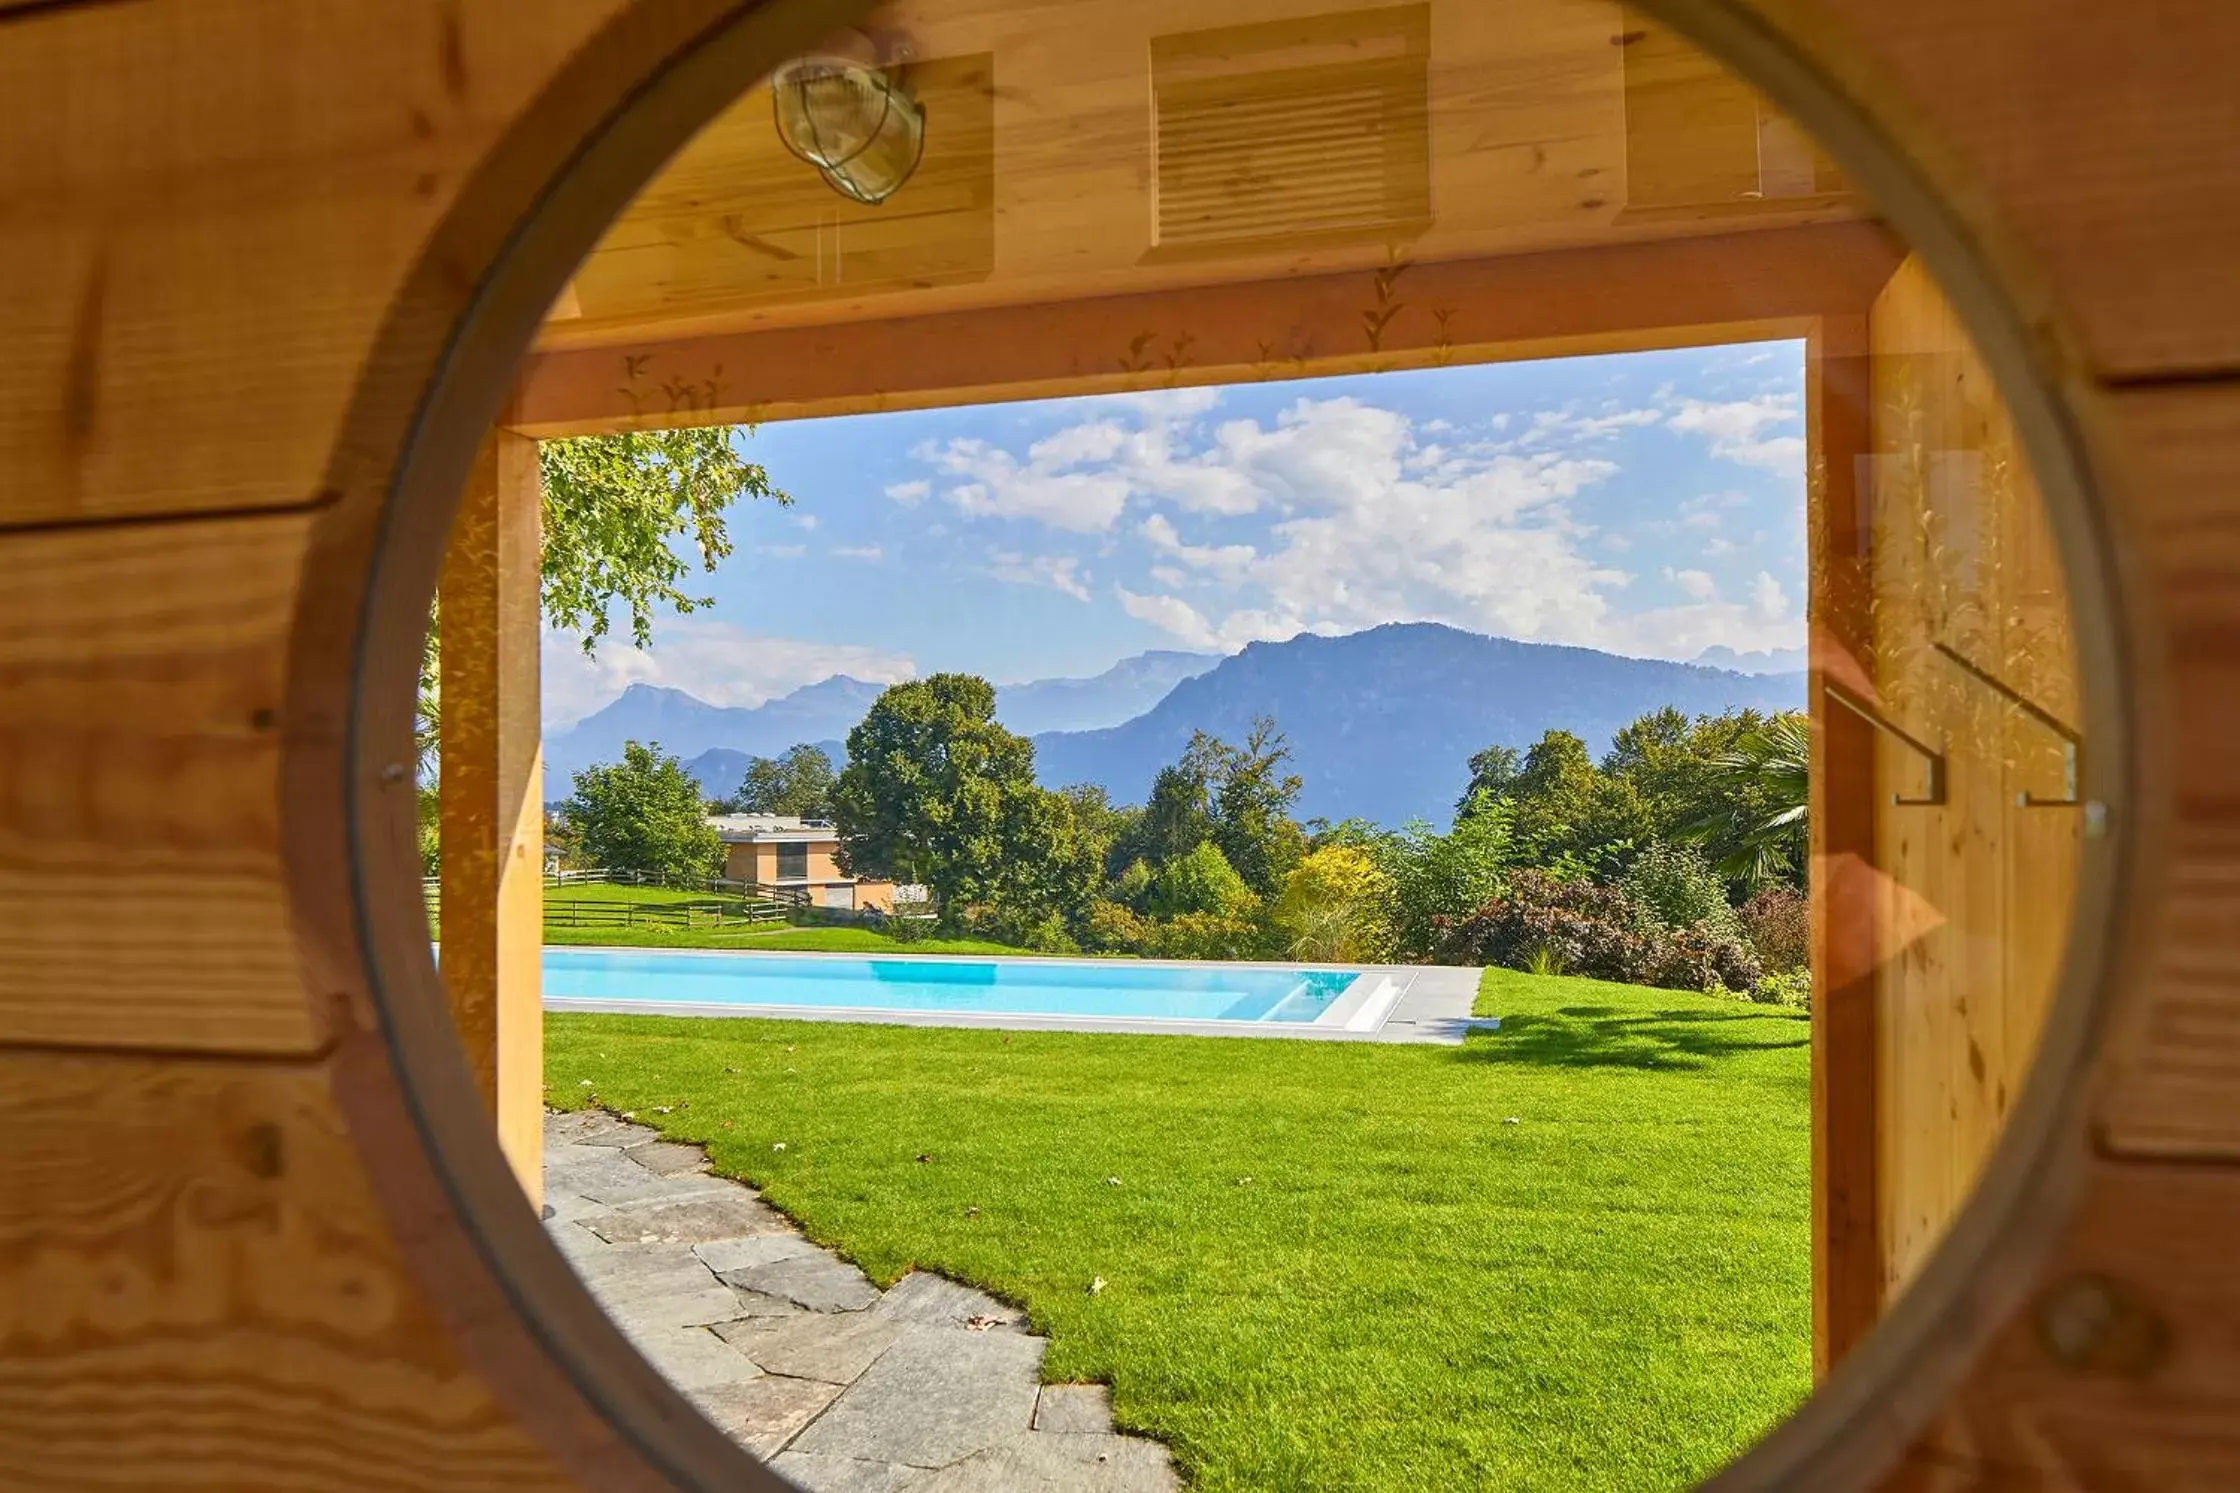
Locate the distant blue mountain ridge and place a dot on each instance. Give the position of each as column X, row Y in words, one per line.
column 1381, row 723
column 717, row 740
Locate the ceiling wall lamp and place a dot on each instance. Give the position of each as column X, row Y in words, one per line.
column 845, row 111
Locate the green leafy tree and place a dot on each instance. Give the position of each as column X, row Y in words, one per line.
column 1202, row 881
column 616, row 508
column 644, row 814
column 1174, row 819
column 935, row 791
column 1570, row 817
column 1438, row 880
column 800, row 783
column 1492, row 773
column 1252, row 802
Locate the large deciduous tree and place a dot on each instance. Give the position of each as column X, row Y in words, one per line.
column 935, row 791
column 799, row 783
column 644, row 814
column 1252, row 820
column 615, row 507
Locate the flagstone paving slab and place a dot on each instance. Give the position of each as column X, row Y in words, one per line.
column 818, row 1282
column 666, row 1158
column 1036, row 1462
column 720, row 1255
column 813, row 1345
column 1075, row 1410
column 698, row 1219
column 936, row 1301
column 938, row 1395
column 846, row 1474
column 928, row 1387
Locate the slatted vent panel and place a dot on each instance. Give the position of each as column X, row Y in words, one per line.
column 1295, row 131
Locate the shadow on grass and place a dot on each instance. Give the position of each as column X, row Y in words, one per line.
column 1604, row 1037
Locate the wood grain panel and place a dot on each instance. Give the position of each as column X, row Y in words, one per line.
column 1527, row 153
column 491, row 790
column 2093, row 142
column 185, row 288
column 140, row 737
column 1595, row 300
column 1965, row 580
column 197, row 1290
column 2123, row 1371
column 2178, row 1088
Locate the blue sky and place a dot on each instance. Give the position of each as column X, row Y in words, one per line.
column 1649, row 504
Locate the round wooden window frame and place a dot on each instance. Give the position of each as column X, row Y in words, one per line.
column 521, row 227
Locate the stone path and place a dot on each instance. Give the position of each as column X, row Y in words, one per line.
column 930, row 1386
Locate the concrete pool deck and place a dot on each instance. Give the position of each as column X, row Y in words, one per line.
column 1391, row 1003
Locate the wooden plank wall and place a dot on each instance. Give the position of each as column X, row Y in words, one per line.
column 1979, row 890
column 238, row 236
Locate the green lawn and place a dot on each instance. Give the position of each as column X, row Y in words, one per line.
column 1324, row 1265
column 778, row 937
column 644, row 896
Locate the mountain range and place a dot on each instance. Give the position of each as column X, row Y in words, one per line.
column 717, row 740
column 1381, row 723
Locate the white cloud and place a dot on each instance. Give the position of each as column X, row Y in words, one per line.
column 1716, row 546
column 1553, row 425
column 909, row 493
column 1737, row 430
column 1226, row 561
column 870, row 554
column 1056, row 572
column 1170, row 614
column 1360, row 516
column 1374, row 535
column 1044, row 487
column 806, row 520
column 715, row 661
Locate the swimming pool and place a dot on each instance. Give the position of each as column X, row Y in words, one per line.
column 1127, row 990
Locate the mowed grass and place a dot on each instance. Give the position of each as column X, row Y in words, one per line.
column 1569, row 1255
column 776, row 938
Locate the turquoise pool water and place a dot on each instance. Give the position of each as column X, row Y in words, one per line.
column 1028, row 987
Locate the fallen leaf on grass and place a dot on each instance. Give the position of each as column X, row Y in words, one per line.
column 1096, row 1287
column 925, row 1156
column 1112, row 1181
column 777, row 1145
column 973, row 1211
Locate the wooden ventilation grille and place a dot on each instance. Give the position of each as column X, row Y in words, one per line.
column 1292, row 132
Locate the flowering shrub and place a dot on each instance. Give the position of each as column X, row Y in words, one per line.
column 1597, row 931
column 1791, row 988
column 1779, row 924
column 1703, row 959
column 1576, row 926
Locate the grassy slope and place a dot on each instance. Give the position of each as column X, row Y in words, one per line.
column 1328, row 1265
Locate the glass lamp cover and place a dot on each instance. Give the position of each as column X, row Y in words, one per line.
column 852, row 122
